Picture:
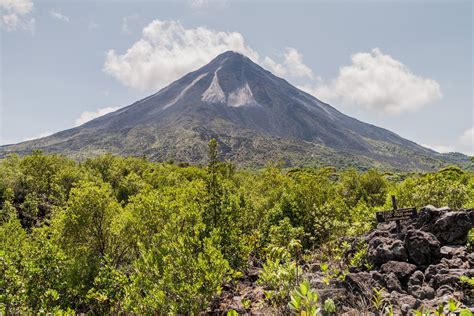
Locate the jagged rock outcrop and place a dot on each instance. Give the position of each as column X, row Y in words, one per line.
column 418, row 267
column 422, row 264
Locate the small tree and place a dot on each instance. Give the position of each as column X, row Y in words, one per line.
column 213, row 181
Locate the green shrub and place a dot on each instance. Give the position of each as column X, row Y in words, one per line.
column 470, row 240
column 304, row 301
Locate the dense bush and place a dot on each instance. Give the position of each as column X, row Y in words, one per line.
column 114, row 234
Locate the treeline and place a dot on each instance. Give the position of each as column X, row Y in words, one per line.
column 114, row 234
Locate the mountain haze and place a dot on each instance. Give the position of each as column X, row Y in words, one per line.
column 256, row 118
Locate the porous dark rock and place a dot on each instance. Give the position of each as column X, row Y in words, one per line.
column 451, row 276
column 422, row 263
column 435, row 269
column 417, row 278
column 420, row 266
column 450, row 252
column 444, row 290
column 470, row 259
column 401, row 269
column 384, row 249
column 362, row 281
column 455, row 263
column 392, row 282
column 422, row 247
column 421, row 292
column 452, row 227
column 406, row 302
column 378, row 277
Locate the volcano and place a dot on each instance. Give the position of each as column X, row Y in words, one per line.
column 256, row 118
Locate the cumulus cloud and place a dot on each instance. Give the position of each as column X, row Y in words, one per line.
column 87, row 115
column 378, row 82
column 292, row 65
column 16, row 14
column 58, row 15
column 167, row 51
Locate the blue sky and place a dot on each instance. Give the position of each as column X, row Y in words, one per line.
column 402, row 65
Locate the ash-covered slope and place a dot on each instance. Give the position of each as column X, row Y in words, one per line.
column 256, row 117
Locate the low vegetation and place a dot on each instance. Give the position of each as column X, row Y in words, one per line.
column 114, row 234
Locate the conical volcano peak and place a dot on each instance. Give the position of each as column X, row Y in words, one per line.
column 230, row 78
column 231, row 60
column 255, row 115
column 229, row 55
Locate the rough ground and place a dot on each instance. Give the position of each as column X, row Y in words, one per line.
column 419, row 267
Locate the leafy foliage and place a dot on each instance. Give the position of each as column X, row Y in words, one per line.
column 452, row 307
column 125, row 235
column 470, row 239
column 304, row 302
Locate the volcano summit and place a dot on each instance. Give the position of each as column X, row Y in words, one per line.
column 256, row 118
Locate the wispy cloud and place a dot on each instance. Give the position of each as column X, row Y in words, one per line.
column 205, row 4
column 440, row 148
column 88, row 115
column 292, row 65
column 58, row 15
column 16, row 14
column 40, row 135
column 92, row 25
column 127, row 22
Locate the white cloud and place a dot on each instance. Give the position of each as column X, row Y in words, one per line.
column 58, row 15
column 292, row 65
column 440, row 148
column 126, row 21
column 199, row 3
column 87, row 115
column 15, row 14
column 10, row 21
column 204, row 4
column 17, row 6
column 41, row 135
column 92, row 25
column 378, row 82
column 168, row 51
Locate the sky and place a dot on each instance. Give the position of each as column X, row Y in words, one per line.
column 406, row 66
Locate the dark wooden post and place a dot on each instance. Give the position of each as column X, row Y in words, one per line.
column 394, row 205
